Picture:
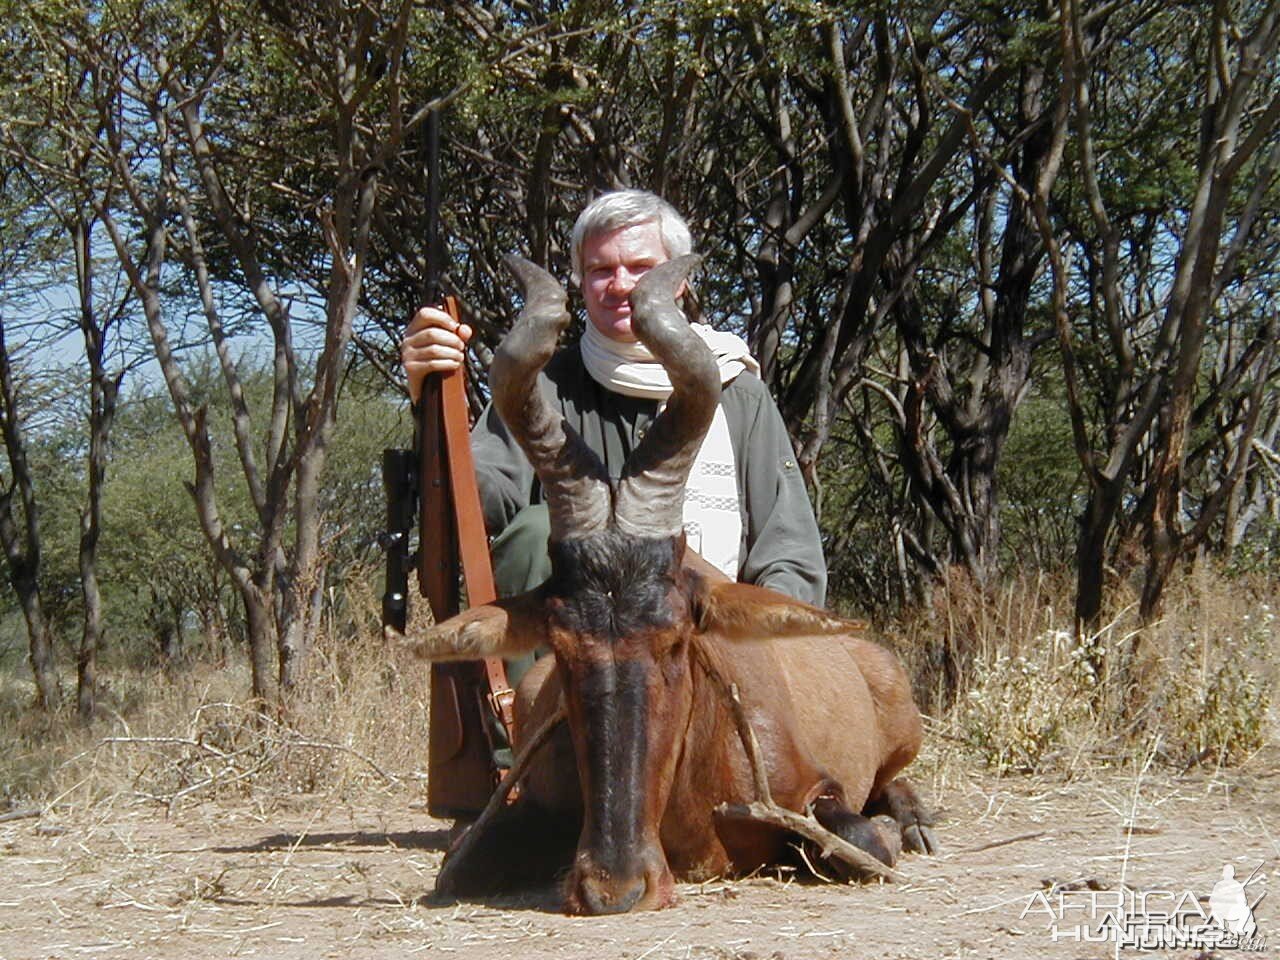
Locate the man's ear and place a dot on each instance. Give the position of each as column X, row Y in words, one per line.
column 742, row 611
column 505, row 628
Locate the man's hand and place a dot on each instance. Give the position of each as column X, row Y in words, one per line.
column 433, row 343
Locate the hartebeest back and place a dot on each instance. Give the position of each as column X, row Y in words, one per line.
column 635, row 626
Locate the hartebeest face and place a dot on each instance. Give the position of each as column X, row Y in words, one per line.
column 618, row 621
column 620, row 611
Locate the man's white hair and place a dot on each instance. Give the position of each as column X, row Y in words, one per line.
column 627, row 208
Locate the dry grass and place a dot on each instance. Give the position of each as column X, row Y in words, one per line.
column 1197, row 687
column 330, row 880
column 189, row 734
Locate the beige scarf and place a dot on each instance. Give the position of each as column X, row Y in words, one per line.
column 712, row 512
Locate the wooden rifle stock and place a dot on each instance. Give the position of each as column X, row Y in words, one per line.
column 467, row 699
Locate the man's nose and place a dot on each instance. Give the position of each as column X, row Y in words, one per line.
column 622, row 282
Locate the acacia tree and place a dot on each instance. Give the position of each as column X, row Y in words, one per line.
column 59, row 183
column 26, row 243
column 876, row 191
column 895, row 269
column 151, row 74
column 1152, row 310
column 816, row 156
column 97, row 327
column 1255, row 499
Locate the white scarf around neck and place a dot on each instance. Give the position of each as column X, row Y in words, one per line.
column 712, row 511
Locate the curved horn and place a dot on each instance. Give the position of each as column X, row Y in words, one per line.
column 650, row 499
column 573, row 479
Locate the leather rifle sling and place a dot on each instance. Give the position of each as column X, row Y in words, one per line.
column 461, row 773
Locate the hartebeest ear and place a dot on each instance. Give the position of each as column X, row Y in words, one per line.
column 741, row 611
column 504, row 628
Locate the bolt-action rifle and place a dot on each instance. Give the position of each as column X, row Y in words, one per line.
column 470, row 702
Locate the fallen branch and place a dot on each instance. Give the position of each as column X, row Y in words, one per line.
column 264, row 747
column 340, row 748
column 806, row 826
column 166, row 742
column 764, row 810
column 218, row 779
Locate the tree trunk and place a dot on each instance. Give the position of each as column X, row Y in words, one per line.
column 1091, row 554
column 39, row 636
column 103, row 390
column 22, row 548
column 261, row 631
column 90, row 638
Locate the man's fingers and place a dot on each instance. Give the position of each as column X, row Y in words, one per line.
column 436, row 365
column 431, row 337
column 420, row 366
column 429, row 317
column 435, row 318
column 433, row 343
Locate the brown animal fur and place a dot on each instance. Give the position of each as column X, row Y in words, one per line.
column 825, row 709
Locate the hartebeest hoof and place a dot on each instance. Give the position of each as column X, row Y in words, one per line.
column 900, row 801
column 878, row 836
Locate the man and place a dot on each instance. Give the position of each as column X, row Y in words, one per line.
column 746, row 507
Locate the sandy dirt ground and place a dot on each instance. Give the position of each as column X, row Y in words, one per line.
column 310, row 881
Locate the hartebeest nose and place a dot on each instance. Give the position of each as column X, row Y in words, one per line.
column 645, row 884
column 598, row 896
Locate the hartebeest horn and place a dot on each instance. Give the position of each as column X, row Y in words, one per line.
column 650, row 500
column 573, row 479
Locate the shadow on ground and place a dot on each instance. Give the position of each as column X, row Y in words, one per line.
column 434, row 840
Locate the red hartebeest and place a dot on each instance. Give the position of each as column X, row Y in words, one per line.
column 635, row 628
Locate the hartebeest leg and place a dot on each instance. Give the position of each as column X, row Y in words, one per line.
column 878, row 836
column 523, row 846
column 900, row 801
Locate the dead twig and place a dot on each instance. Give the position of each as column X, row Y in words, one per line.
column 26, row 814
column 341, row 748
column 1005, row 842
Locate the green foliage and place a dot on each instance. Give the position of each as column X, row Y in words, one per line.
column 1259, row 553
column 158, row 576
column 1041, row 489
column 158, row 569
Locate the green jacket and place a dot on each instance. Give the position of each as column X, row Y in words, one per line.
column 781, row 547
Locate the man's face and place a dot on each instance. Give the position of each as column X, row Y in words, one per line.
column 611, row 264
